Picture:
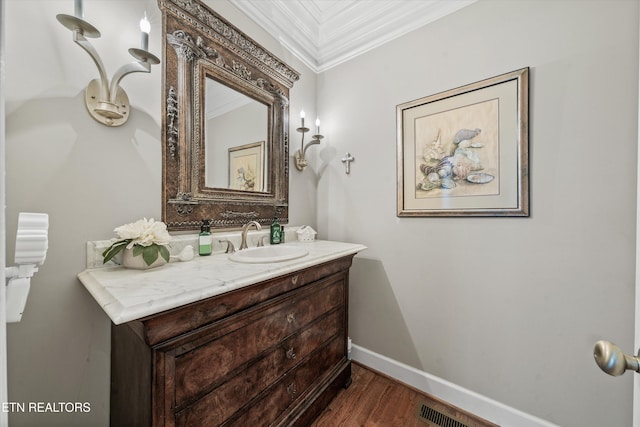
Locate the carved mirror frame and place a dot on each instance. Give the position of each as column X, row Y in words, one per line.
column 199, row 44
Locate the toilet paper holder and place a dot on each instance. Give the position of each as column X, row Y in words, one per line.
column 32, row 242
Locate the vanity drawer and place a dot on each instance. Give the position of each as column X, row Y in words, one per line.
column 231, row 396
column 274, row 401
column 173, row 323
column 223, row 349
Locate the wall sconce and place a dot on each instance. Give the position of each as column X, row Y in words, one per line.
column 301, row 161
column 106, row 101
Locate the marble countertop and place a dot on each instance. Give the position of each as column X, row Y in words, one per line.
column 127, row 295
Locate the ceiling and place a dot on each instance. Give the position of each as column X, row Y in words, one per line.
column 325, row 33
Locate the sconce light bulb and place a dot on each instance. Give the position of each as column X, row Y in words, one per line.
column 145, row 25
column 302, row 114
column 145, row 28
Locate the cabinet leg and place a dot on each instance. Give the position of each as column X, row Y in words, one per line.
column 347, row 383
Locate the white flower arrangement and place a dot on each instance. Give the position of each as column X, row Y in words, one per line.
column 148, row 238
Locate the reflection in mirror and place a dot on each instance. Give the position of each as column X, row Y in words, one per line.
column 236, row 140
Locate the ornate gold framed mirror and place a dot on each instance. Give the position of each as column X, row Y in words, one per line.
column 225, row 123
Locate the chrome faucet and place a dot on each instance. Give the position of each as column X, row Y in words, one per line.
column 245, row 230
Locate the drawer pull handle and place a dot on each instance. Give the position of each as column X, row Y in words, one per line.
column 291, row 354
column 291, row 317
column 294, row 279
column 291, row 389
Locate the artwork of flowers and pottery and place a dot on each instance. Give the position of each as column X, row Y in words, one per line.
column 246, row 164
column 464, row 152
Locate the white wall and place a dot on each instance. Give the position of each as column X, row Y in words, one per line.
column 507, row 307
column 90, row 179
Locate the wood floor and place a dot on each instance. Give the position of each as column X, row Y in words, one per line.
column 374, row 400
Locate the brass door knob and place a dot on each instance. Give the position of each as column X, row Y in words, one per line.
column 612, row 360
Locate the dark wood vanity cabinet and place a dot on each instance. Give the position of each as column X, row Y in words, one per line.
column 272, row 353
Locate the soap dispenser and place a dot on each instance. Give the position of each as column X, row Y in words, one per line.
column 205, row 240
column 276, row 232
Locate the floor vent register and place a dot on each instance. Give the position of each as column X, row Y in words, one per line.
column 438, row 414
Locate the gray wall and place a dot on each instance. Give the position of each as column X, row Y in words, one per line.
column 507, row 307
column 90, row 179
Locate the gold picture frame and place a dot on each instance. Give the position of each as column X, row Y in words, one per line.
column 246, row 167
column 464, row 152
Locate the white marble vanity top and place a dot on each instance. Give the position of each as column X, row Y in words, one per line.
column 127, row 295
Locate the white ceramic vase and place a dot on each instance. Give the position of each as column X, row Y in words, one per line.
column 137, row 262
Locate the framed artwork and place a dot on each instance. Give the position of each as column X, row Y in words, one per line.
column 464, row 152
column 246, row 167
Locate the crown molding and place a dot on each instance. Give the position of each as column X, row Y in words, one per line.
column 325, row 33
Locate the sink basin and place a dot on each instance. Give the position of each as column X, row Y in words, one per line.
column 266, row 254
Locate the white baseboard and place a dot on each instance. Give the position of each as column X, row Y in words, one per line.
column 467, row 400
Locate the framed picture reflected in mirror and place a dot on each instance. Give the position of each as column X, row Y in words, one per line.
column 246, row 167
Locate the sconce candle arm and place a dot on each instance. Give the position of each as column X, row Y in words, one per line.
column 133, row 67
column 302, row 130
column 314, row 140
column 81, row 40
column 143, row 65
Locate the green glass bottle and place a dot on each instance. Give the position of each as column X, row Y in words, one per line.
column 276, row 233
column 205, row 240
